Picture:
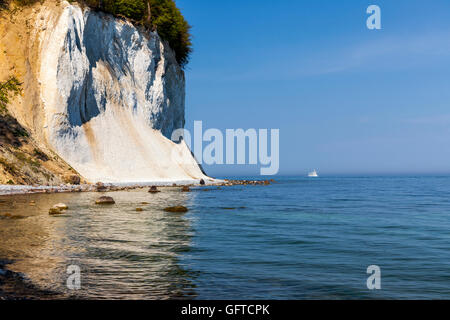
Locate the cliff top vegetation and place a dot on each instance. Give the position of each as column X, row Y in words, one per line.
column 162, row 16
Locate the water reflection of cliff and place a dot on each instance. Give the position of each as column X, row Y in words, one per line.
column 123, row 254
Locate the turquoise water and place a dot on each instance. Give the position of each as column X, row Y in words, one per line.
column 299, row 238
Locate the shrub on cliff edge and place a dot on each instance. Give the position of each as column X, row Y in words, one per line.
column 8, row 87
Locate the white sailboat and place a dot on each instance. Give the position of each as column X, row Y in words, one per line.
column 313, row 174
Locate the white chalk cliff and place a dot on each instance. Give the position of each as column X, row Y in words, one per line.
column 110, row 96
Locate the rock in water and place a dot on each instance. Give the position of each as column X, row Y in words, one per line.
column 153, row 189
column 202, row 182
column 185, row 189
column 139, row 209
column 53, row 211
column 176, row 209
column 61, row 206
column 13, row 217
column 58, row 208
column 105, row 200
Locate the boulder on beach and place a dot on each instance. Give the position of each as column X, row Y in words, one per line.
column 153, row 189
column 185, row 189
column 176, row 209
column 105, row 200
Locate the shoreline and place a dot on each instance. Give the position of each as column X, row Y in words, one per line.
column 7, row 190
column 98, row 187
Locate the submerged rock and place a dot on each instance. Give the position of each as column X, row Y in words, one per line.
column 105, row 200
column 12, row 217
column 176, row 209
column 139, row 209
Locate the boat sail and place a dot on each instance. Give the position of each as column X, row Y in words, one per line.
column 313, row 174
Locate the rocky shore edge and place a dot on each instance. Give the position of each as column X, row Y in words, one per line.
column 111, row 187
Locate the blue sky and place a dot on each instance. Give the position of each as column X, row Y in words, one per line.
column 347, row 100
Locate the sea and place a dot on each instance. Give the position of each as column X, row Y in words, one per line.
column 331, row 237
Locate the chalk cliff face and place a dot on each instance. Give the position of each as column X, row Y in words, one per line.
column 109, row 97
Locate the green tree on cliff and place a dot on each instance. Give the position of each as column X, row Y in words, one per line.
column 172, row 27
